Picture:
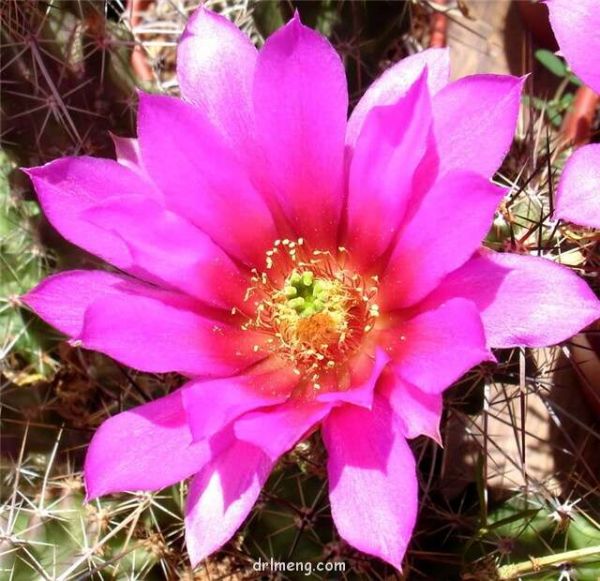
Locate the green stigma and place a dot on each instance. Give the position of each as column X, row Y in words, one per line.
column 306, row 294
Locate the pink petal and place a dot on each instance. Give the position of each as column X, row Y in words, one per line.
column 436, row 347
column 68, row 186
column 215, row 68
column 62, row 299
column 475, row 120
column 301, row 100
column 578, row 195
column 373, row 486
column 419, row 412
column 523, row 300
column 157, row 331
column 127, row 150
column 167, row 249
column 576, row 26
column 364, row 376
column 395, row 82
column 128, row 448
column 391, row 144
column 202, row 179
column 211, row 405
column 141, row 326
column 276, row 430
column 221, row 496
column 441, row 235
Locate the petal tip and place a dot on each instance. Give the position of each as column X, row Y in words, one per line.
column 196, row 552
column 26, row 298
column 90, row 496
column 198, row 17
column 91, row 492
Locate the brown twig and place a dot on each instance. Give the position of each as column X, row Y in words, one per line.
column 139, row 59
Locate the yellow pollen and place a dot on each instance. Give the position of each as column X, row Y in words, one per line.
column 319, row 329
column 315, row 311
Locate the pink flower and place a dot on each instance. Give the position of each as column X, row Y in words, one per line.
column 301, row 270
column 576, row 26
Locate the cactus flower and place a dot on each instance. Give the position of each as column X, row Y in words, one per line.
column 302, row 270
column 576, row 26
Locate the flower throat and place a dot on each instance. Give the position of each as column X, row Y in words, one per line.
column 314, row 311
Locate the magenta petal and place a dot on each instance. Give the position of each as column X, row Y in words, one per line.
column 139, row 325
column 373, row 485
column 146, row 328
column 391, row 144
column 578, row 195
column 395, row 82
column 301, row 101
column 128, row 449
column 576, row 25
column 276, row 430
column 221, row 496
column 448, row 226
column 419, row 412
column 211, row 405
column 215, row 68
column 62, row 299
column 202, row 179
column 436, row 347
column 523, row 300
column 475, row 120
column 154, row 332
column 70, row 185
column 167, row 249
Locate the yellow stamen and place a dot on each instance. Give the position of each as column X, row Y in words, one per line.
column 315, row 311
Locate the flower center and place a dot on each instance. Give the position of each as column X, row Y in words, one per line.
column 314, row 310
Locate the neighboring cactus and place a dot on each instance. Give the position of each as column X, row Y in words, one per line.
column 65, row 80
column 542, row 539
column 22, row 264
